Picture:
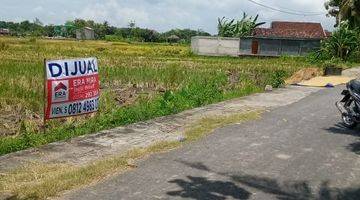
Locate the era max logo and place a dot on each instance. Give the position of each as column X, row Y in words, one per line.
column 60, row 91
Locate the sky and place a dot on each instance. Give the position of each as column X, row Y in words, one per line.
column 161, row 15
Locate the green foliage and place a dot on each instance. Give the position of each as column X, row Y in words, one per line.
column 344, row 43
column 277, row 78
column 24, row 28
column 102, row 31
column 345, row 10
column 113, row 38
column 183, row 34
column 240, row 28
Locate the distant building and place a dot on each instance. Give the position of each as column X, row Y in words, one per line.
column 173, row 38
column 282, row 38
column 85, row 33
column 4, row 31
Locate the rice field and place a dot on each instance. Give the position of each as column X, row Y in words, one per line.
column 139, row 81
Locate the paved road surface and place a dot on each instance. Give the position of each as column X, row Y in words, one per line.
column 299, row 151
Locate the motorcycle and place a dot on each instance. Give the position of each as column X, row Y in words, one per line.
column 349, row 106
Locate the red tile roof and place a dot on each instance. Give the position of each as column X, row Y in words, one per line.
column 299, row 30
column 328, row 33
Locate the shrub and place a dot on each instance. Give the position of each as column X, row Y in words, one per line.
column 113, row 38
column 343, row 44
column 277, row 78
column 3, row 46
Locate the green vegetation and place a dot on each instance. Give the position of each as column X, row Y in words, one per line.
column 138, row 81
column 240, row 28
column 40, row 181
column 102, row 31
column 345, row 10
column 344, row 43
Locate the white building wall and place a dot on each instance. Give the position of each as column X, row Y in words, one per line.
column 215, row 46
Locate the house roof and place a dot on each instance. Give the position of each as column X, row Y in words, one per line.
column 298, row 30
column 174, row 37
column 4, row 30
column 328, row 33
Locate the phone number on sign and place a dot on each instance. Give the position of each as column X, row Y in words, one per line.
column 75, row 108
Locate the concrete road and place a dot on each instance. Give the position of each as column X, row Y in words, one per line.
column 299, row 151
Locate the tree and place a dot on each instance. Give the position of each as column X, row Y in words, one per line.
column 38, row 22
column 102, row 31
column 240, row 28
column 225, row 28
column 132, row 24
column 49, row 30
column 24, row 27
column 342, row 44
column 184, row 35
column 69, row 29
column 78, row 23
column 344, row 10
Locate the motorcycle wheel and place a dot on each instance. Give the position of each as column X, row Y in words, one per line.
column 348, row 121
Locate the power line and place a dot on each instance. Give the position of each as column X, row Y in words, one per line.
column 284, row 11
column 307, row 12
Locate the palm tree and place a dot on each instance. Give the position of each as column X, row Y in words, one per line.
column 240, row 28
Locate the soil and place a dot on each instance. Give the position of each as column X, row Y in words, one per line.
column 304, row 74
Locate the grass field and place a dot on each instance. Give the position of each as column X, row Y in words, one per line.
column 138, row 82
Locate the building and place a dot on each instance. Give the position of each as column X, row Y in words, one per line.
column 282, row 38
column 4, row 31
column 215, row 46
column 85, row 33
column 173, row 39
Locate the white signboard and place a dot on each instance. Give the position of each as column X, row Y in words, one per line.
column 72, row 87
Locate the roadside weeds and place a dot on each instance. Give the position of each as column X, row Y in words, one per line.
column 40, row 181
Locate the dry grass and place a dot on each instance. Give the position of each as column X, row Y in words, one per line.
column 40, row 181
column 208, row 124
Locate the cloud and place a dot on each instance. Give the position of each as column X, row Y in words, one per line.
column 161, row 15
column 116, row 12
column 38, row 9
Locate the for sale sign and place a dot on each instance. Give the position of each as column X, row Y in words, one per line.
column 72, row 87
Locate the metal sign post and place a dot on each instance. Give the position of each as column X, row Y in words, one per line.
column 44, row 98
